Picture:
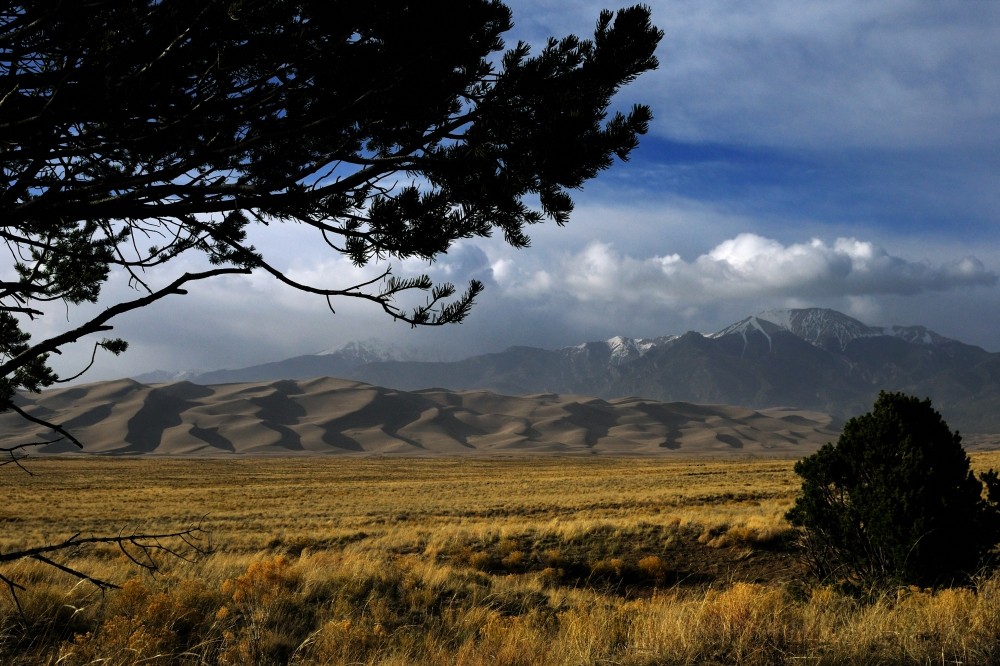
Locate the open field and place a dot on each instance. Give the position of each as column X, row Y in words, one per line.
column 548, row 560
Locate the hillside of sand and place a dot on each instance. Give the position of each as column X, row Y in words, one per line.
column 336, row 416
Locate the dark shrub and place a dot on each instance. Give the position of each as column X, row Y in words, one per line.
column 895, row 502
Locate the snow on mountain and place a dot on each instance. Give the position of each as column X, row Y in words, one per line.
column 749, row 325
column 166, row 376
column 374, row 350
column 821, row 327
column 623, row 349
column 827, row 329
column 917, row 334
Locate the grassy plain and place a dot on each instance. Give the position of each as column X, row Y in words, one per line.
column 547, row 560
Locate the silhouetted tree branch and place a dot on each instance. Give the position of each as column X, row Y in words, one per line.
column 140, row 548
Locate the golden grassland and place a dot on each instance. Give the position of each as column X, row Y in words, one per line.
column 549, row 560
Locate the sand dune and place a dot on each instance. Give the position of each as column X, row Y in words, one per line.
column 327, row 415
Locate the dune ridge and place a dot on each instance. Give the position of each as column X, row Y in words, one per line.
column 333, row 416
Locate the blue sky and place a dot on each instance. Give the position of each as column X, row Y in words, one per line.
column 803, row 153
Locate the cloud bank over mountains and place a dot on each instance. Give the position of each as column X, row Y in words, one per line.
column 747, row 266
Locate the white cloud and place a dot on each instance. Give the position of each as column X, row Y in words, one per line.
column 748, row 266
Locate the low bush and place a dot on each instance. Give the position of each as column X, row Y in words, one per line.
column 895, row 501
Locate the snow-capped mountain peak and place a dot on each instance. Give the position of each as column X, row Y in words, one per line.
column 749, row 325
column 825, row 328
column 623, row 349
column 620, row 348
column 820, row 326
column 368, row 351
column 166, row 376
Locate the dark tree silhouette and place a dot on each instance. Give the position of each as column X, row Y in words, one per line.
column 133, row 132
column 895, row 501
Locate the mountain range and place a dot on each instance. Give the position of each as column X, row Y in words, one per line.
column 815, row 359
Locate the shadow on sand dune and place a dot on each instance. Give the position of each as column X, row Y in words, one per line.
column 161, row 410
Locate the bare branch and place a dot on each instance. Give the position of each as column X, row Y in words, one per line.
column 99, row 323
column 13, row 588
column 140, row 548
column 42, row 422
column 147, row 543
column 28, row 311
column 100, row 583
column 16, row 460
column 93, row 357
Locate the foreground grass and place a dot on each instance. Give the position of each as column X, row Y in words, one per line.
column 455, row 561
